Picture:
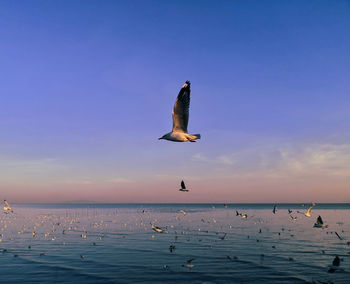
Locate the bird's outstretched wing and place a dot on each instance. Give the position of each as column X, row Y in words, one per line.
column 310, row 208
column 183, row 185
column 319, row 220
column 181, row 109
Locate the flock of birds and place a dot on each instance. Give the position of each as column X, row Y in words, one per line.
column 180, row 133
column 68, row 225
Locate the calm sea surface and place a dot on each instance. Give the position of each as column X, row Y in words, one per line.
column 115, row 243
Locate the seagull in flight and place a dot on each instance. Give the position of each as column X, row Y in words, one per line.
column 7, row 207
column 307, row 214
column 180, row 118
column 183, row 187
column 243, row 215
column 319, row 223
column 294, row 218
column 274, row 209
column 157, row 229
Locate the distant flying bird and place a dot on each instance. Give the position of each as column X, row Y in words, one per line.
column 180, row 118
column 183, row 187
column 7, row 207
column 290, row 211
column 243, row 215
column 307, row 214
column 157, row 229
column 339, row 237
column 274, row 209
column 319, row 223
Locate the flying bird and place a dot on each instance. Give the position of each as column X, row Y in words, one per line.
column 180, row 118
column 274, row 209
column 319, row 223
column 183, row 187
column 293, row 218
column 157, row 229
column 7, row 207
column 339, row 237
column 307, row 214
column 243, row 215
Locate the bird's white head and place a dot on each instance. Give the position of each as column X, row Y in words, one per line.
column 165, row 136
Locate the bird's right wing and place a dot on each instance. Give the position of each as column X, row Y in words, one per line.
column 182, row 108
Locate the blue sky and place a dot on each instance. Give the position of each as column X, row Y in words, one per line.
column 87, row 87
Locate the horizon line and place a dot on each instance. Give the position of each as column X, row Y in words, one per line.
column 136, row 203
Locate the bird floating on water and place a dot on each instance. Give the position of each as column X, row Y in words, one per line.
column 189, row 263
column 223, row 237
column 183, row 187
column 335, row 265
column 171, row 248
column 181, row 109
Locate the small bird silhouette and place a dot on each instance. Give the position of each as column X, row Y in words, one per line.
column 183, row 187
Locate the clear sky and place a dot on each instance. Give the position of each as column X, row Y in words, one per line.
column 87, row 87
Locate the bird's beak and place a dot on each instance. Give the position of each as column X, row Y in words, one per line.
column 160, row 138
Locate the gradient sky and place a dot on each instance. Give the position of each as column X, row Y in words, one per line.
column 87, row 87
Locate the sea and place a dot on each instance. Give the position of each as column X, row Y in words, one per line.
column 174, row 243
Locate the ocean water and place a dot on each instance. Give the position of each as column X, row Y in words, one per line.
column 115, row 243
